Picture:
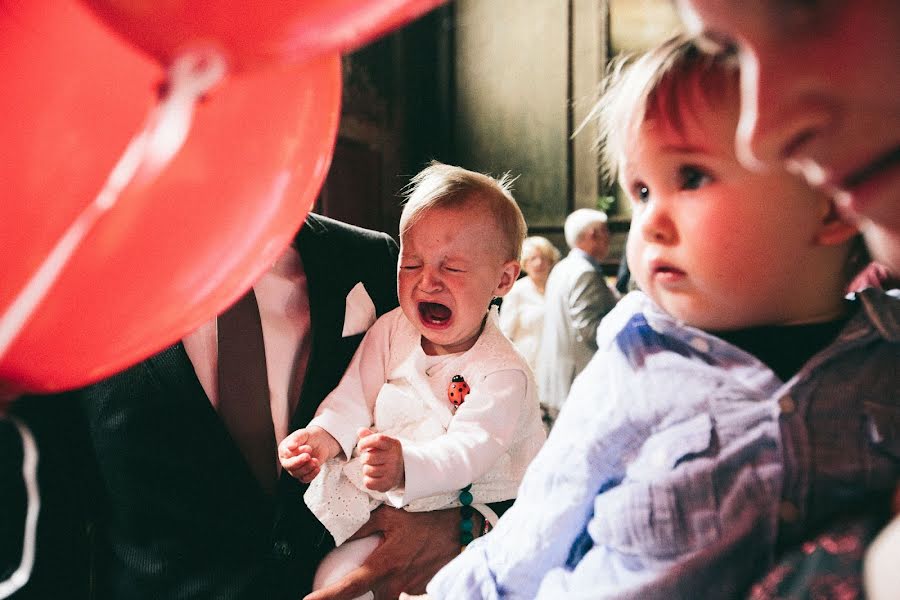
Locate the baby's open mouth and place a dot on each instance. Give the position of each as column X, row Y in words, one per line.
column 432, row 312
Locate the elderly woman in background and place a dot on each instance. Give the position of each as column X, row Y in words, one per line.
column 522, row 312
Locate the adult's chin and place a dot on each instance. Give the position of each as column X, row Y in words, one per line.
column 883, row 242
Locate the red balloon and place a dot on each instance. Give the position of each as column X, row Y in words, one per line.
column 254, row 34
column 170, row 254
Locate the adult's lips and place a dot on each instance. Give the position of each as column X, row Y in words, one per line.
column 869, row 191
column 886, row 161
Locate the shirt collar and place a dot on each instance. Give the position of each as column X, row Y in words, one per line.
column 881, row 311
column 596, row 264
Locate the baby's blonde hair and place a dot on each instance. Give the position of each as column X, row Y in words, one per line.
column 671, row 82
column 445, row 186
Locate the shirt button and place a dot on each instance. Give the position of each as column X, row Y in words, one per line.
column 788, row 512
column 700, row 345
column 787, row 405
column 282, row 549
column 661, row 458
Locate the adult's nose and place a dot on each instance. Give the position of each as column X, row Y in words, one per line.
column 781, row 111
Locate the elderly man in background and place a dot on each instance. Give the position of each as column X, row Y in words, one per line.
column 577, row 297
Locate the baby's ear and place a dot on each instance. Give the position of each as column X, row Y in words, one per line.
column 835, row 228
column 508, row 277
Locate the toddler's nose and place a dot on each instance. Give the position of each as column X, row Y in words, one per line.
column 655, row 223
column 430, row 281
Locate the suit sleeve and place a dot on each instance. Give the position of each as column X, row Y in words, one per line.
column 12, row 501
column 65, row 490
column 589, row 302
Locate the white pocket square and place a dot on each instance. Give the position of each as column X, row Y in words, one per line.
column 359, row 313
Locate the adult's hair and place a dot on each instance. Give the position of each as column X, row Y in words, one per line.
column 579, row 222
column 672, row 83
column 446, row 186
column 542, row 246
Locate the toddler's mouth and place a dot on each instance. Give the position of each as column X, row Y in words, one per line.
column 666, row 269
column 434, row 313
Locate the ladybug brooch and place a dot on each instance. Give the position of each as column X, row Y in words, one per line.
column 457, row 390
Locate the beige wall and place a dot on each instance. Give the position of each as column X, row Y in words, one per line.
column 638, row 24
column 589, row 57
column 525, row 76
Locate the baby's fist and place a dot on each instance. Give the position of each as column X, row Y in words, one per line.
column 382, row 460
column 303, row 452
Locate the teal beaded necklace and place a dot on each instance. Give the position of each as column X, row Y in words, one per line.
column 456, row 394
column 466, row 511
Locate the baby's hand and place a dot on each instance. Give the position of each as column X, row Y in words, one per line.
column 303, row 452
column 382, row 459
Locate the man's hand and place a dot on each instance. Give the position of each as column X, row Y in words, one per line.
column 415, row 547
column 303, row 452
column 382, row 459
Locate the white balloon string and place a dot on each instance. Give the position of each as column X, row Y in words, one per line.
column 190, row 76
column 20, row 576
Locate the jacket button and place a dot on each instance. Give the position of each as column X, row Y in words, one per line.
column 700, row 345
column 282, row 549
column 787, row 405
column 788, row 512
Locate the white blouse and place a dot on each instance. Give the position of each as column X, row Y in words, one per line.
column 522, row 318
column 488, row 442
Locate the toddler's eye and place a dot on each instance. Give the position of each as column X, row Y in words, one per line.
column 640, row 192
column 692, row 178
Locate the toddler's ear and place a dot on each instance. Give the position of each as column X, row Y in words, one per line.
column 835, row 229
column 508, row 277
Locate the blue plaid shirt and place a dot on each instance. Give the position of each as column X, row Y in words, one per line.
column 679, row 460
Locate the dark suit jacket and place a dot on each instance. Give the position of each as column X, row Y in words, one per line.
column 150, row 493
